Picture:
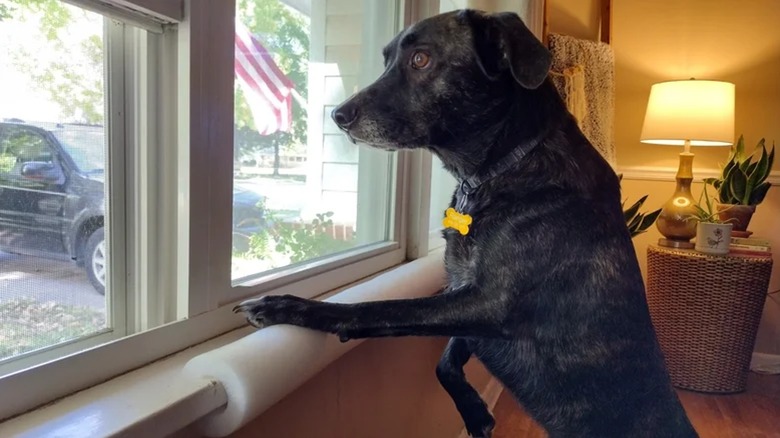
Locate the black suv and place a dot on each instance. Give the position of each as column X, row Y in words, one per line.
column 52, row 195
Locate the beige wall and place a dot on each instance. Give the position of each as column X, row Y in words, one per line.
column 739, row 42
column 660, row 40
column 385, row 388
column 577, row 18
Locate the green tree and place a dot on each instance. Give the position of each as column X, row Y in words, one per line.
column 285, row 33
column 74, row 78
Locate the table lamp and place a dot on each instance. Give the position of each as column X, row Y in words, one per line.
column 687, row 113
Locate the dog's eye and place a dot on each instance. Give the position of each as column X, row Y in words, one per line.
column 420, row 60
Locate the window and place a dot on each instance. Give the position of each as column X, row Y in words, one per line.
column 209, row 194
column 53, row 200
column 302, row 191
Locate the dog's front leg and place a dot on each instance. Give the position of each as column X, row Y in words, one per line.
column 473, row 410
column 463, row 312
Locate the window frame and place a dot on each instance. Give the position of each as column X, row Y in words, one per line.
column 370, row 163
column 199, row 230
column 116, row 297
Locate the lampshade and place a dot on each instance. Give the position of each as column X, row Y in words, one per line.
column 699, row 111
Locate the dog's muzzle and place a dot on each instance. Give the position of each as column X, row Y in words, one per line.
column 345, row 115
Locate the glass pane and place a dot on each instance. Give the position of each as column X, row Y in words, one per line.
column 301, row 190
column 53, row 255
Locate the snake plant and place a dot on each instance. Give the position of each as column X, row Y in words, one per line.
column 743, row 180
column 636, row 221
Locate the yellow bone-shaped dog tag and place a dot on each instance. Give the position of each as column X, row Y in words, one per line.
column 457, row 221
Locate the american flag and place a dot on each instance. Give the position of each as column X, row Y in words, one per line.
column 267, row 90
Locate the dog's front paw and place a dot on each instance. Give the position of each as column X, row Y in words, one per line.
column 273, row 309
column 481, row 427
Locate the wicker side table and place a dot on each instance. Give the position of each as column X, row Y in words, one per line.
column 706, row 311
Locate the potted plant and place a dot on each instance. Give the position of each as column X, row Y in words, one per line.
column 713, row 235
column 636, row 221
column 742, row 184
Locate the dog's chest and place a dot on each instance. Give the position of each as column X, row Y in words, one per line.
column 461, row 258
column 463, row 249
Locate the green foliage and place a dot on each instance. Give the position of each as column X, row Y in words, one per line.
column 298, row 241
column 54, row 14
column 74, row 80
column 6, row 12
column 705, row 209
column 309, row 241
column 743, row 179
column 7, row 162
column 636, row 221
column 259, row 246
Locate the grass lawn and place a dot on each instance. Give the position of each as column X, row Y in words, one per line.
column 27, row 325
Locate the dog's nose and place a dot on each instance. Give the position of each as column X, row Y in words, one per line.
column 345, row 114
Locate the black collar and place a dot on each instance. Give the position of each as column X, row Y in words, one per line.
column 471, row 184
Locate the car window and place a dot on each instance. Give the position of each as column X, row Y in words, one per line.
column 85, row 146
column 19, row 146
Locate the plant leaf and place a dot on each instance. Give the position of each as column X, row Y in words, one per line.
column 632, row 211
column 710, row 208
column 759, row 193
column 739, row 153
column 728, row 168
column 762, row 170
column 751, row 169
column 701, row 214
column 724, row 191
column 648, row 220
column 743, row 166
column 737, row 186
column 635, row 222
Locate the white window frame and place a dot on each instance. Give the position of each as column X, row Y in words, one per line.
column 116, row 297
column 368, row 258
column 195, row 220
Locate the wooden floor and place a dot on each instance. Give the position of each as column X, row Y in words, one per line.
column 754, row 413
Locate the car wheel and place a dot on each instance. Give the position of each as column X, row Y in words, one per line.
column 96, row 258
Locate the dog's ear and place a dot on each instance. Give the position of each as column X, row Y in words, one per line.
column 503, row 41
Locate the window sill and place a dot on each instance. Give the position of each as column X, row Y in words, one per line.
column 166, row 396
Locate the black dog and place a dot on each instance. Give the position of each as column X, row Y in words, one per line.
column 544, row 286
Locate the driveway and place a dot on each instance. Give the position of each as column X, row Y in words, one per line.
column 46, row 280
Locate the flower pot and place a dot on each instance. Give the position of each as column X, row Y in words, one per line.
column 713, row 238
column 737, row 215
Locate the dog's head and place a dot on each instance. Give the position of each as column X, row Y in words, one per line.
column 445, row 77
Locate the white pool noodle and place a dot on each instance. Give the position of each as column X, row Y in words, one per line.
column 260, row 369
